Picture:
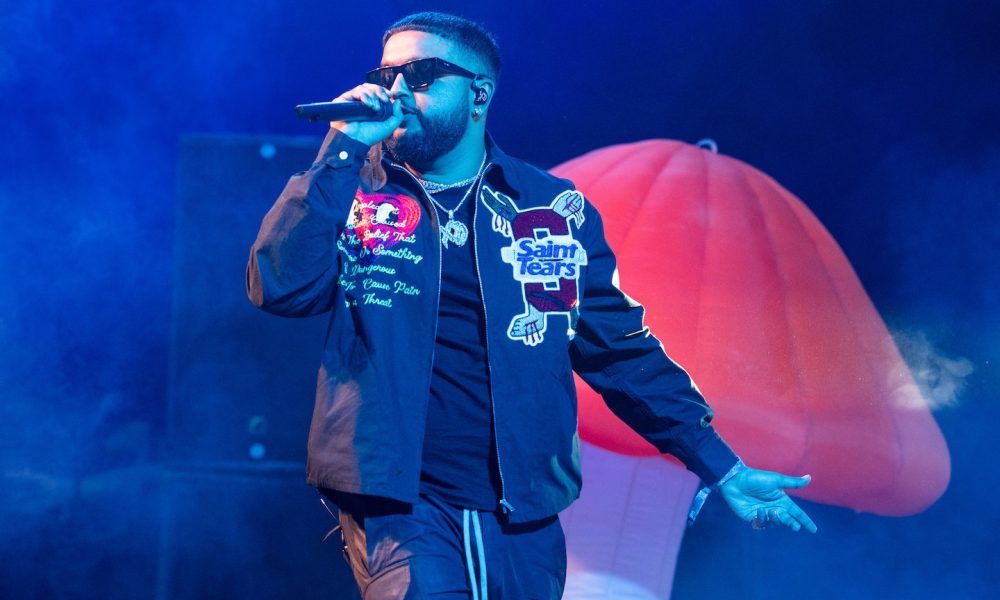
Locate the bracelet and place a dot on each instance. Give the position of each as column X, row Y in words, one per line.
column 738, row 468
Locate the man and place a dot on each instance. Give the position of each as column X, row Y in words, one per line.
column 463, row 288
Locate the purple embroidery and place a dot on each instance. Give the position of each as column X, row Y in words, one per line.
column 545, row 257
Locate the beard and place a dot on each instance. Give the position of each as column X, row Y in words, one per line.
column 436, row 137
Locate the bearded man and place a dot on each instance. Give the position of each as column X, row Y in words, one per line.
column 464, row 286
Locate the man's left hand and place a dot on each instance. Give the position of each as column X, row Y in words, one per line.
column 758, row 497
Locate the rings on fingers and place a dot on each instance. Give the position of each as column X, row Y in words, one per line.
column 764, row 518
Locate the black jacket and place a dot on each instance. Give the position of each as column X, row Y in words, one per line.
column 548, row 279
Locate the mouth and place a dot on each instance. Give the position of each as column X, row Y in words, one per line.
column 409, row 118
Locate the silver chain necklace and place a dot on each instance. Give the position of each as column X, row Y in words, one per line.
column 433, row 187
column 453, row 231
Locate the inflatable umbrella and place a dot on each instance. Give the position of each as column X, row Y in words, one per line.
column 748, row 291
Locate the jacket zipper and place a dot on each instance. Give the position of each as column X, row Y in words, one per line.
column 505, row 507
column 437, row 230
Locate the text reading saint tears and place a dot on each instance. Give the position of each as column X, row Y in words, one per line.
column 555, row 256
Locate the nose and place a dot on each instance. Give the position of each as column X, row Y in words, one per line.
column 399, row 87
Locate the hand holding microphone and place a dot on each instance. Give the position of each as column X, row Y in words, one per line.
column 367, row 113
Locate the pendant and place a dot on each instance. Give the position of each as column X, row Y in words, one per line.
column 455, row 232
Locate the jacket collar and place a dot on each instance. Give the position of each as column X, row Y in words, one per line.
column 503, row 173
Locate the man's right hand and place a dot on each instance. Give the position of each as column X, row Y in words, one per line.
column 370, row 132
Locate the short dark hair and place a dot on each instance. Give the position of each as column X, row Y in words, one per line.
column 470, row 35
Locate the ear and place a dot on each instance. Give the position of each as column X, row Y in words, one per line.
column 482, row 91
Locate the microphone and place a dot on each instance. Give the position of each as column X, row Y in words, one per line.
column 343, row 111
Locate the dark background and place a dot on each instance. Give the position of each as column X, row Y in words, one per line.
column 125, row 469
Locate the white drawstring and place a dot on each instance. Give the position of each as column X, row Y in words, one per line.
column 329, row 510
column 482, row 553
column 478, row 592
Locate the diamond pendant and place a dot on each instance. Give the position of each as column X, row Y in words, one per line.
column 455, row 232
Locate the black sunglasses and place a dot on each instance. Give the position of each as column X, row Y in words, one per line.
column 419, row 74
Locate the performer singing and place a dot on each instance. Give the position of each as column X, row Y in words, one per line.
column 464, row 286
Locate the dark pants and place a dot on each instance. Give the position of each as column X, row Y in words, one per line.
column 433, row 550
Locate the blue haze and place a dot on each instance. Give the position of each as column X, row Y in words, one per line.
column 882, row 117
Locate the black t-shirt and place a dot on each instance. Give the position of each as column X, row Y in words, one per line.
column 459, row 456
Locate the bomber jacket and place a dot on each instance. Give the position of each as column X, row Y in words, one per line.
column 372, row 260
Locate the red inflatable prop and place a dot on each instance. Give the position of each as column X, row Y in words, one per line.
column 749, row 292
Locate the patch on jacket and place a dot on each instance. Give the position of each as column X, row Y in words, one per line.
column 545, row 258
column 379, row 225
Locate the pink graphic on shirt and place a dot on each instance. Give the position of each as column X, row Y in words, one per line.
column 376, row 223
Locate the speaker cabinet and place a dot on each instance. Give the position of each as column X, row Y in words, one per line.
column 238, row 520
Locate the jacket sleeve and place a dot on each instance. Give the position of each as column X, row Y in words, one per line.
column 293, row 263
column 618, row 356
